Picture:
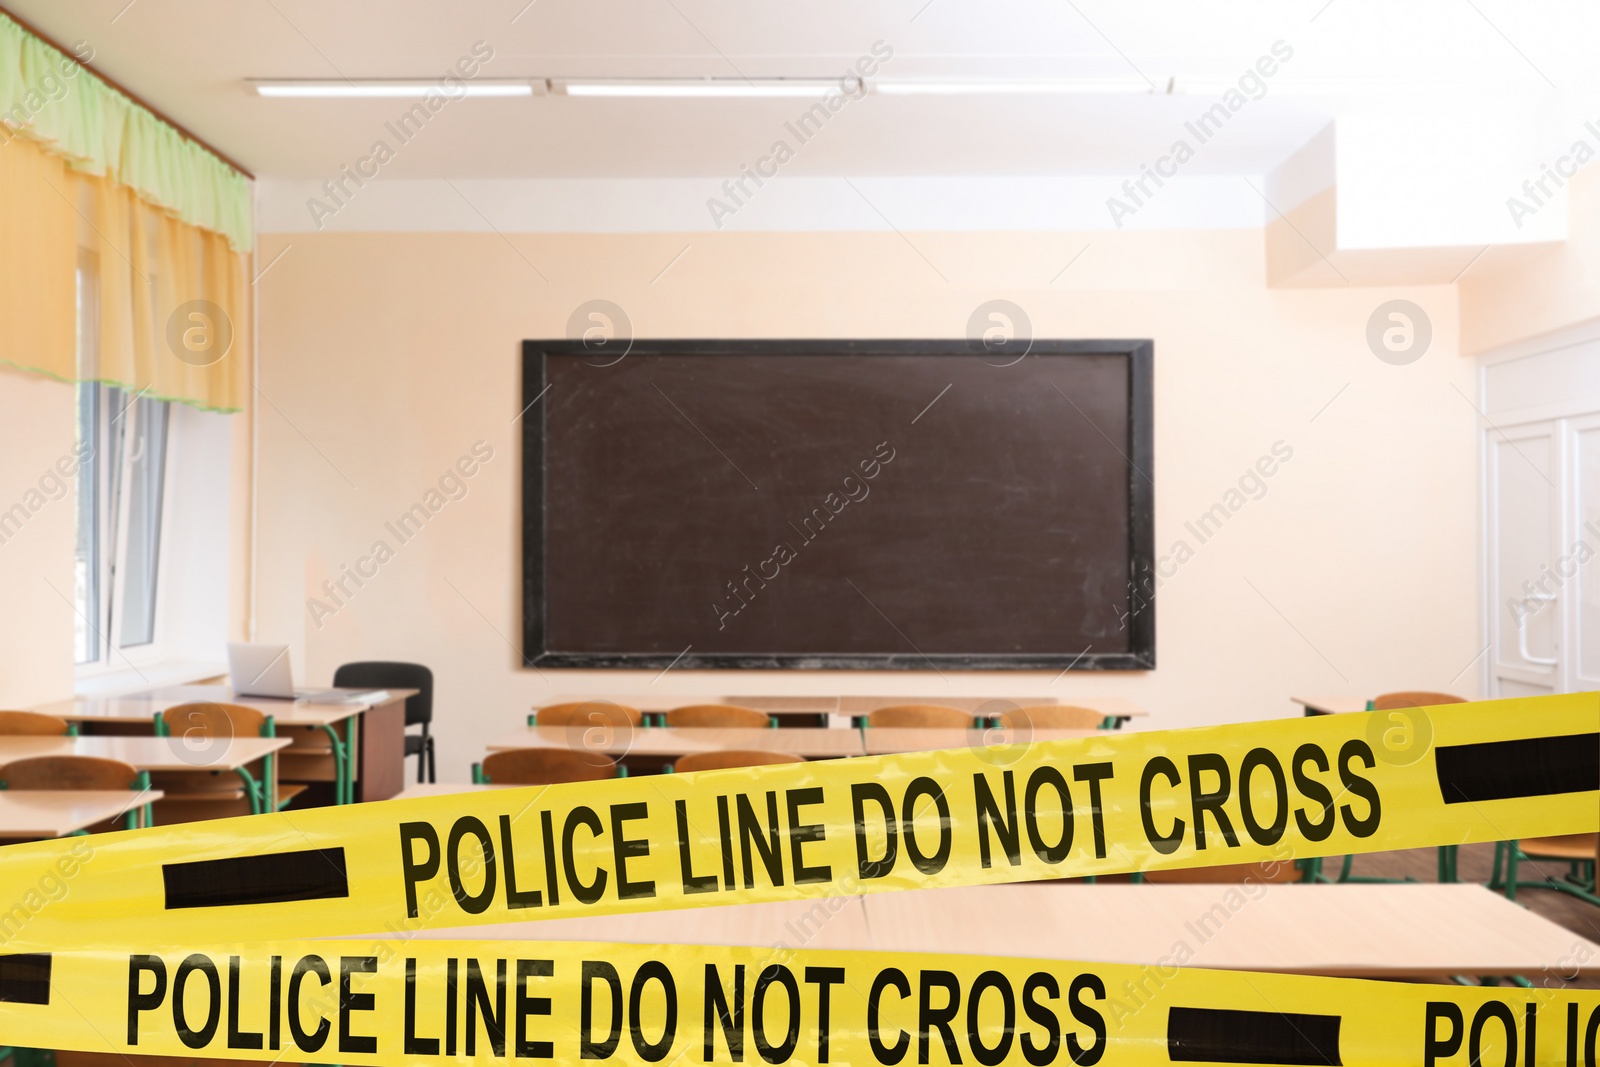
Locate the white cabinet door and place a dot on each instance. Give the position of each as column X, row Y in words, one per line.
column 1524, row 526
column 1583, row 552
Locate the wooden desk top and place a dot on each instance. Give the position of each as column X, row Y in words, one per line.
column 417, row 790
column 148, row 753
column 835, row 922
column 35, row 813
column 141, row 707
column 1332, row 705
column 1374, row 931
column 887, row 740
column 669, row 742
column 1417, row 930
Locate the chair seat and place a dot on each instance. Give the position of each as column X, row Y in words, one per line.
column 198, row 782
column 1228, row 873
column 1565, row 847
column 204, row 797
column 288, row 791
column 415, row 743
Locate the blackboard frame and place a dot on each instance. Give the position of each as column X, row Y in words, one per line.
column 1141, row 525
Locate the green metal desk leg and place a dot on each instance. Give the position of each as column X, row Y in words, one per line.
column 341, row 765
column 352, row 736
column 252, row 789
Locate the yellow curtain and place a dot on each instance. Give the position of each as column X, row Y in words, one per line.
column 38, row 254
column 173, row 300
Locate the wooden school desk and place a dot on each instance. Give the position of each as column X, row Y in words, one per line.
column 29, row 814
column 670, row 743
column 373, row 730
column 1419, row 930
column 418, row 790
column 150, row 753
column 887, row 740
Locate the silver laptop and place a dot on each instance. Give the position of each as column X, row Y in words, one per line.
column 263, row 671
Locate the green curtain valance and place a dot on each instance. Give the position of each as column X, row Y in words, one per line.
column 51, row 99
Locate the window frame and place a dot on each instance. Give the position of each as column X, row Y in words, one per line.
column 111, row 543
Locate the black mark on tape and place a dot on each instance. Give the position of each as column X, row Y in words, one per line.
column 277, row 877
column 1220, row 1035
column 1529, row 767
column 25, row 978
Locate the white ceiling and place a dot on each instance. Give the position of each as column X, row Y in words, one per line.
column 191, row 58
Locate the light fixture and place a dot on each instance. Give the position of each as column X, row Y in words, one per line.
column 961, row 87
column 453, row 87
column 702, row 87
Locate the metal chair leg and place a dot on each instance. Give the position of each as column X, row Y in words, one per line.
column 253, row 791
column 341, row 760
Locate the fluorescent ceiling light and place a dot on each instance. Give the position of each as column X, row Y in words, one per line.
column 703, row 87
column 1012, row 88
column 453, row 88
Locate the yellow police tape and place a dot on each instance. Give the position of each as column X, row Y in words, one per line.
column 430, row 1002
column 1259, row 791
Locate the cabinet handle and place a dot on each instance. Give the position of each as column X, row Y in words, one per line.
column 1522, row 635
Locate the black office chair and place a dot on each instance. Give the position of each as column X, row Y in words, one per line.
column 378, row 674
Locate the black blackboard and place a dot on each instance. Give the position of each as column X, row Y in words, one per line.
column 836, row 504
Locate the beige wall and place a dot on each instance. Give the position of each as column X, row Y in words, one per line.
column 384, row 357
column 1516, row 293
column 36, row 572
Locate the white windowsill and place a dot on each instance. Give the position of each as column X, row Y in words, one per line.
column 155, row 676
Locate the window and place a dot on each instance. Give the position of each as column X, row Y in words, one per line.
column 122, row 479
column 121, row 485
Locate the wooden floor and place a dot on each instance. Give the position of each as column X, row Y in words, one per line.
column 1474, row 865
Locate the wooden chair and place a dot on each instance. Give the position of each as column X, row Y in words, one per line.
column 543, row 766
column 386, row 674
column 723, row 715
column 725, row 758
column 70, row 772
column 222, row 721
column 1232, row 874
column 587, row 713
column 1052, row 717
column 1578, row 851
column 1411, row 698
column 34, row 724
column 921, row 715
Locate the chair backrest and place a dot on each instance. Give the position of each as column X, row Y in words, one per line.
column 383, row 674
column 1413, row 698
column 716, row 761
column 926, row 715
column 32, row 723
column 728, row 715
column 1053, row 717
column 1230, row 873
column 69, row 772
column 206, row 719
column 589, row 713
column 545, row 766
